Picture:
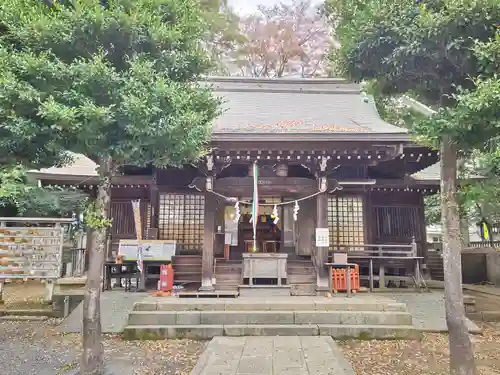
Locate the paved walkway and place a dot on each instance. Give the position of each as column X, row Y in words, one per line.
column 115, row 308
column 278, row 355
column 427, row 310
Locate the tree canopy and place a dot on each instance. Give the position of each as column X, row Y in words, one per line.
column 116, row 81
column 443, row 53
column 19, row 197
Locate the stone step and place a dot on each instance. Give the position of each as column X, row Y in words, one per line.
column 228, row 275
column 275, row 304
column 201, row 332
column 264, row 291
column 298, row 266
column 231, row 278
column 269, row 317
column 303, row 289
column 229, row 287
column 295, row 278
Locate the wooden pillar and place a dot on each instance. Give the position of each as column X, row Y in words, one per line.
column 322, row 252
column 208, row 243
column 153, row 202
column 322, row 283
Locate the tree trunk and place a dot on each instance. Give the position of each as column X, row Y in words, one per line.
column 461, row 351
column 464, row 230
column 92, row 362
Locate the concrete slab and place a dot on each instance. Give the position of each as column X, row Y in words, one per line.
column 115, row 308
column 272, row 355
column 275, row 303
column 427, row 310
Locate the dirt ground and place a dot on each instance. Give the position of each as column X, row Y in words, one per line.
column 38, row 348
column 430, row 356
column 24, row 295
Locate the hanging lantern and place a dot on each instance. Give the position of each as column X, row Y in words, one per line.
column 282, row 170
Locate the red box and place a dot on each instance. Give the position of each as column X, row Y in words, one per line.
column 339, row 279
column 166, row 278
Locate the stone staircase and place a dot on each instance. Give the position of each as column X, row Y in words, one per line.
column 187, row 269
column 301, row 277
column 435, row 265
column 340, row 317
column 228, row 274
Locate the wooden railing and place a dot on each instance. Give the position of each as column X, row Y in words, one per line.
column 477, row 244
column 438, row 246
column 386, row 250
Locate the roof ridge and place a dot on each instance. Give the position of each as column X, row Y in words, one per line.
column 238, row 79
column 287, row 91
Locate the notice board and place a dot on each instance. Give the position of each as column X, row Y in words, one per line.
column 152, row 250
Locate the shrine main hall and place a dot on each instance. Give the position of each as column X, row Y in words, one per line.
column 326, row 163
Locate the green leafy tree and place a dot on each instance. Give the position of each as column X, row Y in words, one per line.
column 18, row 197
column 115, row 82
column 443, row 53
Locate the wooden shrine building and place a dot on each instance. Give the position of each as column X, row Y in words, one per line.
column 316, row 138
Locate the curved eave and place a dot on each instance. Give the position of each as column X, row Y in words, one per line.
column 311, row 137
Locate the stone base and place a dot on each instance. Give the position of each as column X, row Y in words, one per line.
column 340, row 317
column 303, row 290
column 71, row 287
column 264, row 290
column 206, row 288
column 203, row 332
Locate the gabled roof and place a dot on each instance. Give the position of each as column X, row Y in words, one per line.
column 80, row 166
column 297, row 106
column 432, row 174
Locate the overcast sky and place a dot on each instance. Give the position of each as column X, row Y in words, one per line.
column 250, row 6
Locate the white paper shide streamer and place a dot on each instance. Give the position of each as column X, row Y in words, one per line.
column 296, row 211
column 275, row 215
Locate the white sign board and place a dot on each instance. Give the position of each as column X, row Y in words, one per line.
column 152, row 250
column 322, row 237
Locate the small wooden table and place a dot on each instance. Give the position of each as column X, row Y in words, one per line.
column 125, row 270
column 264, row 265
column 130, row 272
column 269, row 244
column 413, row 259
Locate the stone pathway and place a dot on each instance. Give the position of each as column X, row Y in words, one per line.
column 115, row 308
column 279, row 355
column 427, row 310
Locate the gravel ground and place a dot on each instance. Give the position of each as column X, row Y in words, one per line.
column 430, row 356
column 37, row 348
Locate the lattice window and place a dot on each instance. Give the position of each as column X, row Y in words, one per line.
column 123, row 218
column 346, row 221
column 398, row 222
column 181, row 218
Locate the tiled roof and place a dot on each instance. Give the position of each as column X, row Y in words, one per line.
column 81, row 166
column 296, row 106
column 433, row 173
